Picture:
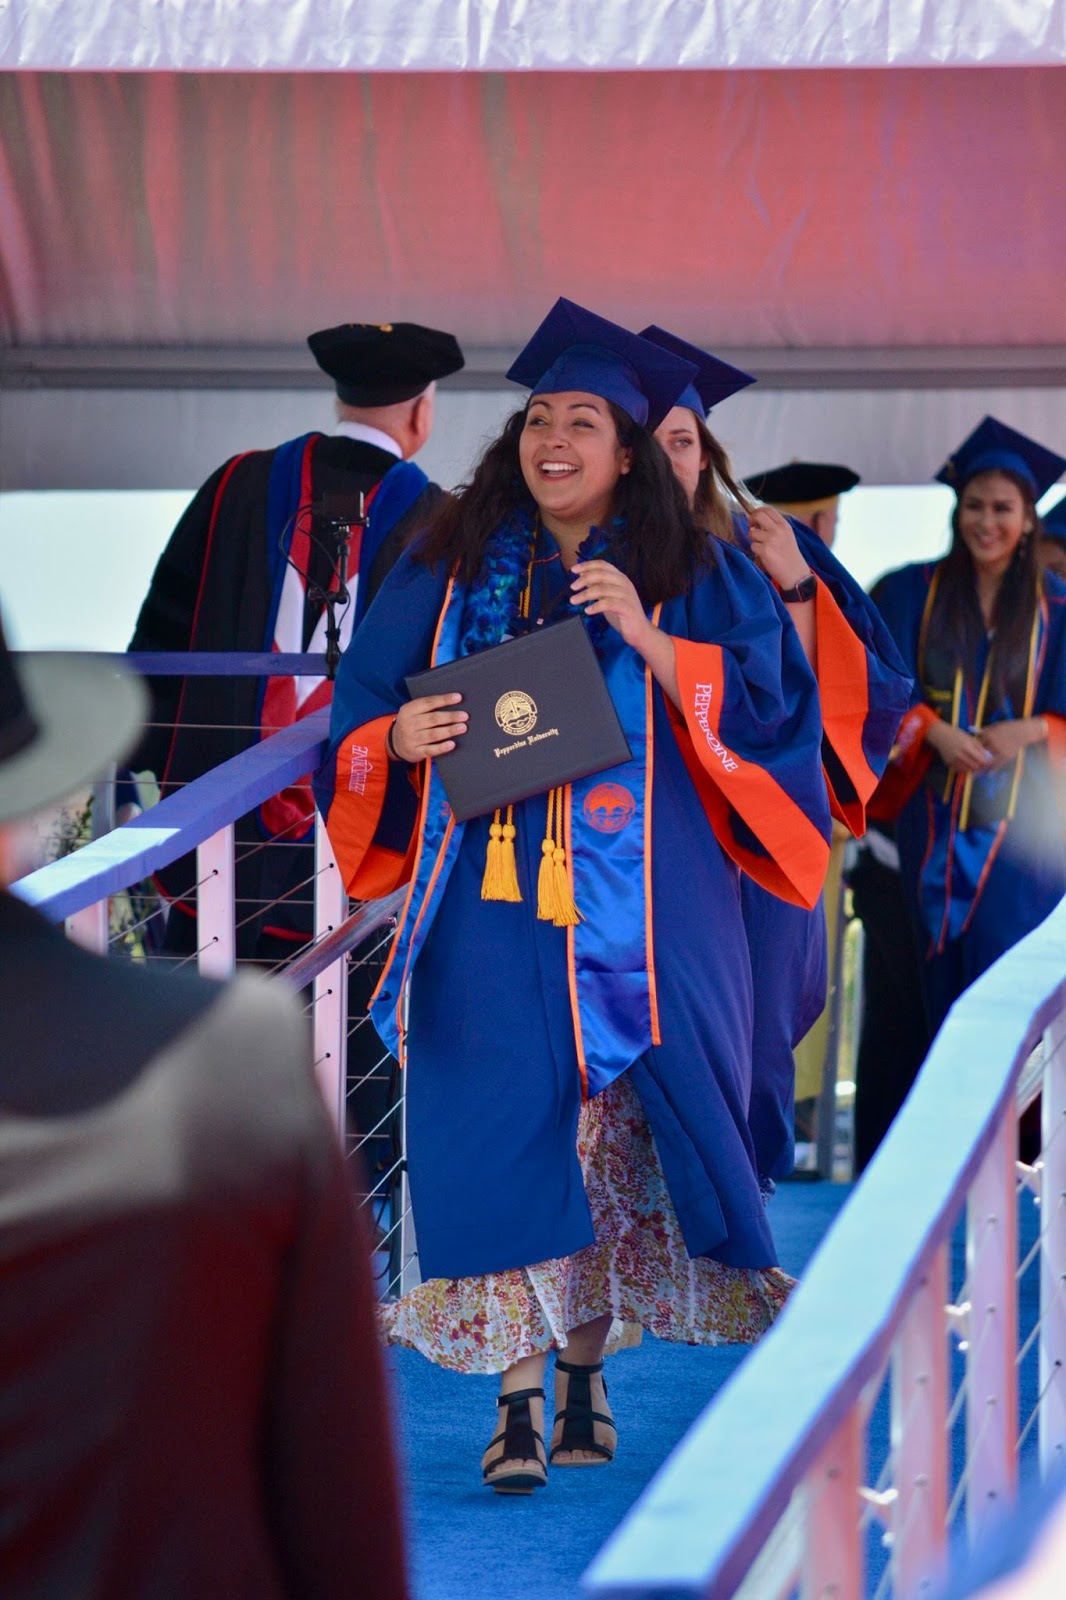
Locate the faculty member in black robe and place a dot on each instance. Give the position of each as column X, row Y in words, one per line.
column 237, row 575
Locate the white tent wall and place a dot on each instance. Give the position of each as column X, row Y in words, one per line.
column 515, row 35
column 171, row 439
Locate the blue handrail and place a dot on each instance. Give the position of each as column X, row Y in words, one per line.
column 178, row 823
column 215, row 663
column 706, row 1515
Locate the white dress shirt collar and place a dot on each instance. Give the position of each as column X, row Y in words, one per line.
column 364, row 434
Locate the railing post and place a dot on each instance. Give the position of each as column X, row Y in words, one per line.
column 1052, row 1405
column 215, row 917
column 992, row 1379
column 103, row 807
column 919, row 1443
column 90, row 927
column 833, row 1559
column 331, row 986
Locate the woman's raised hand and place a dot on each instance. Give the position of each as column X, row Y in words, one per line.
column 427, row 727
column 604, row 590
column 774, row 546
column 960, row 751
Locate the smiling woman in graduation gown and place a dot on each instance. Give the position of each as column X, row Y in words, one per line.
column 516, row 1023
column 977, row 780
column 864, row 690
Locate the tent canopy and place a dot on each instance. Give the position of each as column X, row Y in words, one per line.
column 522, row 35
column 892, row 231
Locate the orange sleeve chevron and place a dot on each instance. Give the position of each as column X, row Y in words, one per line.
column 843, row 689
column 360, row 781
column 907, row 765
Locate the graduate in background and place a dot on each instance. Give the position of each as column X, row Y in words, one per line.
column 864, row 692
column 976, row 784
column 237, row 575
column 809, row 492
column 893, row 1035
column 579, row 1050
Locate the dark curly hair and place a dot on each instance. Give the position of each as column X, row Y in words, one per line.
column 655, row 542
column 956, row 625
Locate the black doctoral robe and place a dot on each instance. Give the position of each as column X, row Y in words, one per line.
column 215, row 588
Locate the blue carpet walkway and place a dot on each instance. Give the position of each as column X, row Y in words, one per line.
column 469, row 1544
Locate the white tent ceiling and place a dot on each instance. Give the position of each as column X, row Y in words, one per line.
column 880, row 236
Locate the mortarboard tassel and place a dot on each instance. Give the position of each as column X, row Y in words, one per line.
column 501, row 873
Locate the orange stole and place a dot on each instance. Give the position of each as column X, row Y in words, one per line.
column 798, row 855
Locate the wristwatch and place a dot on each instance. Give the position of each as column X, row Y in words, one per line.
column 806, row 589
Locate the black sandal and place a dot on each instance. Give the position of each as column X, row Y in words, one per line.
column 579, row 1419
column 521, row 1442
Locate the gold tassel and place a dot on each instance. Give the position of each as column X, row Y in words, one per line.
column 546, row 876
column 509, row 889
column 490, row 883
column 501, row 875
column 566, row 913
column 555, row 900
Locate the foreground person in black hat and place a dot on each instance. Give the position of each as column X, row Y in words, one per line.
column 191, row 1399
column 223, row 583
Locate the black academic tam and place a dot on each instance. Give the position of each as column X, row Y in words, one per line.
column 381, row 364
column 800, row 482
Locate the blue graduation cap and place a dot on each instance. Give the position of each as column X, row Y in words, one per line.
column 993, row 447
column 575, row 349
column 715, row 380
column 1054, row 521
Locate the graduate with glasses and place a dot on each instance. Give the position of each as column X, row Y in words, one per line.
column 864, row 691
column 578, row 1071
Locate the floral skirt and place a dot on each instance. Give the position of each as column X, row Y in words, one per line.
column 638, row 1270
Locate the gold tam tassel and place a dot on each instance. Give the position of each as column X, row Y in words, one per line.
column 555, row 900
column 501, row 874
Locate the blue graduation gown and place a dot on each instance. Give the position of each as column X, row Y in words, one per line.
column 865, row 691
column 974, row 891
column 493, row 1065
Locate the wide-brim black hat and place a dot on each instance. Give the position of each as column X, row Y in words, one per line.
column 382, row 364
column 63, row 717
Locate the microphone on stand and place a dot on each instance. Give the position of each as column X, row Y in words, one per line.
column 340, row 514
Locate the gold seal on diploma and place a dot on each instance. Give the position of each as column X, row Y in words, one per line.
column 516, row 713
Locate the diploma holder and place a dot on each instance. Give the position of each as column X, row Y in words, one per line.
column 540, row 715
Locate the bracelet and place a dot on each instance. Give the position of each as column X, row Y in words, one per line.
column 1045, row 730
column 390, row 748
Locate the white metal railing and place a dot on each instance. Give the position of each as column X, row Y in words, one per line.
column 77, row 889
column 771, row 1494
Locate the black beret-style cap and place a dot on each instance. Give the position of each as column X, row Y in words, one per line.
column 380, row 364
column 800, row 482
